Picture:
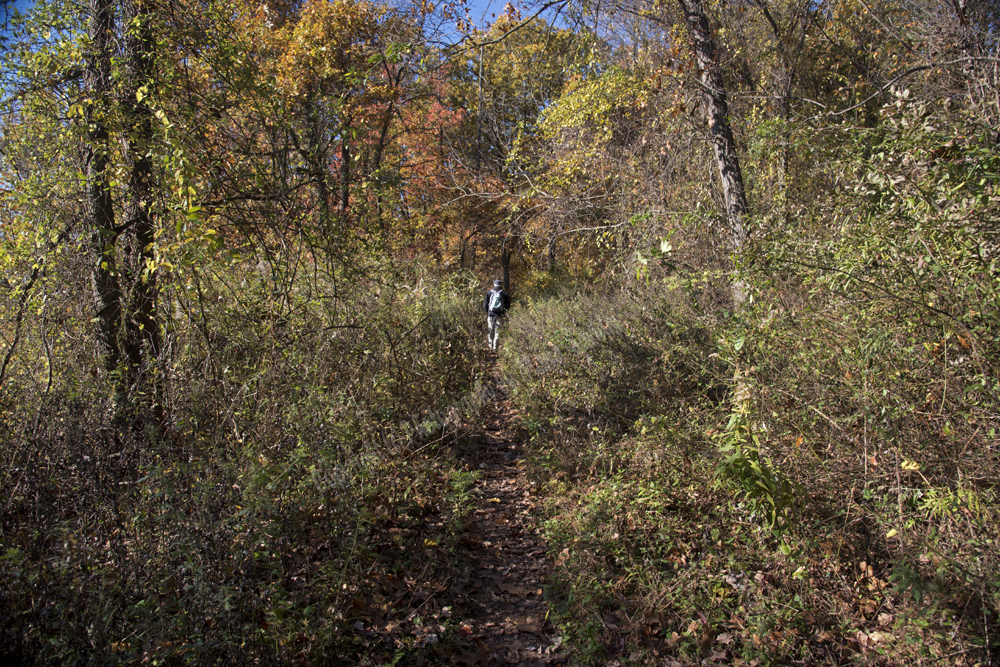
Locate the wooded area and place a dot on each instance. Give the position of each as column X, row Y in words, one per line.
column 754, row 352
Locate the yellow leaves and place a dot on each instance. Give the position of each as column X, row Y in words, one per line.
column 330, row 43
column 586, row 112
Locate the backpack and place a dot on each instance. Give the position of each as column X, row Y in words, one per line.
column 496, row 303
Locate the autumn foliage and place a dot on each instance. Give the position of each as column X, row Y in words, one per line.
column 753, row 351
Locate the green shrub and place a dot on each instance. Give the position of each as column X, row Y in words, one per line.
column 244, row 530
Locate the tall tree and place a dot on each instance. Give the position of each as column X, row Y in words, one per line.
column 101, row 219
column 521, row 69
column 717, row 111
column 330, row 70
column 122, row 233
column 142, row 337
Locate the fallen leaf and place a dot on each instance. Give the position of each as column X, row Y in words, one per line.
column 470, row 658
column 519, row 591
column 529, row 625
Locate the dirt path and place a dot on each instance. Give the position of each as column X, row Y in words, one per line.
column 499, row 589
column 476, row 601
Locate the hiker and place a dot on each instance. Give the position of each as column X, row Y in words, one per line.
column 496, row 304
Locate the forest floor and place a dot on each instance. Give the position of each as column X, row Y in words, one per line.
column 502, row 562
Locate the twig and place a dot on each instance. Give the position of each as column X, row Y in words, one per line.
column 988, row 648
column 816, row 410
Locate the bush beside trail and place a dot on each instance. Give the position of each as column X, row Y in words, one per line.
column 771, row 488
column 254, row 527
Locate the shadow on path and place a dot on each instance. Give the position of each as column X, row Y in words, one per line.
column 499, row 588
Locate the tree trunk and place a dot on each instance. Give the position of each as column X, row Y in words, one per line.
column 505, row 264
column 100, row 206
column 725, row 159
column 142, row 335
column 721, row 133
column 345, row 172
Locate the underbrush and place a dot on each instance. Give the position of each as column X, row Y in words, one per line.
column 592, row 363
column 300, row 492
column 784, row 487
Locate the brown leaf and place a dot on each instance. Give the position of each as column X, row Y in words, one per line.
column 531, row 625
column 470, row 658
column 519, row 591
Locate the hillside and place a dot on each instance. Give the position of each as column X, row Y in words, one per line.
column 746, row 402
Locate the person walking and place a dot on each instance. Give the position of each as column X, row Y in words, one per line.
column 496, row 304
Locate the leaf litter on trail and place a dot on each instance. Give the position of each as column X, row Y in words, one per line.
column 519, row 591
column 530, row 625
column 495, row 567
column 481, row 655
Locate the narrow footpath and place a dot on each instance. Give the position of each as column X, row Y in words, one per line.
column 500, row 587
column 476, row 599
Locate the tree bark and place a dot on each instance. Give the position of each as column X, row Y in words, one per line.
column 345, row 174
column 505, row 266
column 142, row 334
column 100, row 205
column 720, row 131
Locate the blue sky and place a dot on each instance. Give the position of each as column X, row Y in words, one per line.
column 8, row 5
column 484, row 11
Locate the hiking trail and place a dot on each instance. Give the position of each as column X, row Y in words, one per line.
column 500, row 588
column 479, row 601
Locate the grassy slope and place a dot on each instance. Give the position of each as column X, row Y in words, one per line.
column 837, row 515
